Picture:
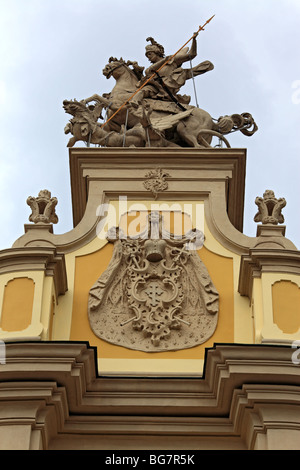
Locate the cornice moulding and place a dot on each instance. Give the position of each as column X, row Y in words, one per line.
column 215, row 176
column 126, row 164
column 260, row 260
column 99, row 175
column 73, row 365
column 45, row 259
column 53, row 388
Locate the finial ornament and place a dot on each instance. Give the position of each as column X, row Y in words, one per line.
column 43, row 208
column 269, row 208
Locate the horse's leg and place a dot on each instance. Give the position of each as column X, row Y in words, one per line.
column 98, row 98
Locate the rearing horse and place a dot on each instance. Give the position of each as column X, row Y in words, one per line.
column 193, row 127
column 126, row 85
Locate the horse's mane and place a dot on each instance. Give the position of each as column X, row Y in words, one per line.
column 133, row 67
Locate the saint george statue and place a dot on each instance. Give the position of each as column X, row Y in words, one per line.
column 145, row 108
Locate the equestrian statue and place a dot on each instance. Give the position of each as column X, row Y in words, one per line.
column 145, row 108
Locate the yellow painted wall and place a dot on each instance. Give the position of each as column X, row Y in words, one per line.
column 286, row 306
column 17, row 304
column 85, row 265
column 30, row 308
column 276, row 307
column 52, row 312
column 88, row 269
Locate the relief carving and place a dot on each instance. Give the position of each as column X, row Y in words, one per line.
column 156, row 181
column 156, row 294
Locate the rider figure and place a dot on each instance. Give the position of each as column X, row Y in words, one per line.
column 172, row 74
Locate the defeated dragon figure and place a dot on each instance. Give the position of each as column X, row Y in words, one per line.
column 85, row 127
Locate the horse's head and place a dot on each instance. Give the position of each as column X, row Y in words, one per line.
column 117, row 67
column 113, row 64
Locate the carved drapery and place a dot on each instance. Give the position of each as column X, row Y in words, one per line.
column 156, row 294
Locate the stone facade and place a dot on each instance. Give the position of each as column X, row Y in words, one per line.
column 59, row 353
column 155, row 323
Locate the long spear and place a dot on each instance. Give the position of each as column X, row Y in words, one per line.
column 201, row 28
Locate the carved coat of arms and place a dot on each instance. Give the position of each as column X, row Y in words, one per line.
column 156, row 294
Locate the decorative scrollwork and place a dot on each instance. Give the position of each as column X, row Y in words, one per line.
column 156, row 181
column 156, row 294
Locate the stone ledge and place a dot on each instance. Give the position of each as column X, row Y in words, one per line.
column 37, row 258
column 74, row 365
column 53, row 391
column 123, row 165
column 266, row 260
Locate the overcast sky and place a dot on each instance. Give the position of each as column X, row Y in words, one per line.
column 52, row 50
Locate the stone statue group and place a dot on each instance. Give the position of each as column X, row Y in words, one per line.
column 145, row 109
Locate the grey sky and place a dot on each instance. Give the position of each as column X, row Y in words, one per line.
column 53, row 50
